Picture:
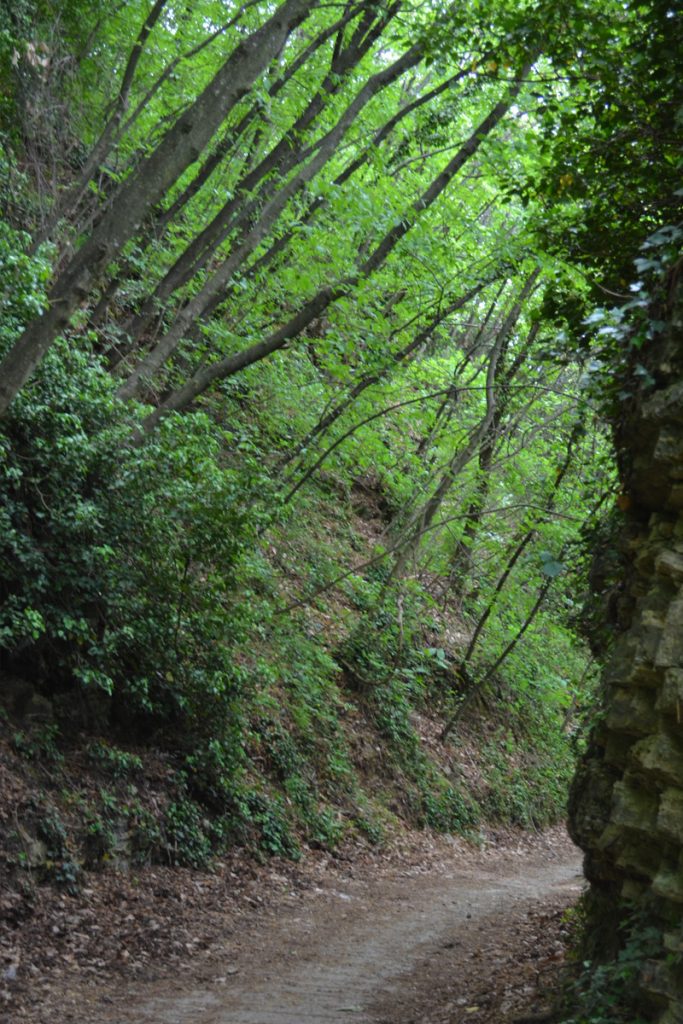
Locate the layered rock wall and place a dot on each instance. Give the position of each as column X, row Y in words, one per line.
column 627, row 801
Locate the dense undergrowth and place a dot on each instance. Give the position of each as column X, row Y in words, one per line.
column 336, row 592
column 613, row 947
column 157, row 665
column 315, row 324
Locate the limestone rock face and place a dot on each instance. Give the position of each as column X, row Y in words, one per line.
column 626, row 806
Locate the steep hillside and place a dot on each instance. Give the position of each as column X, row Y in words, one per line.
column 318, row 323
column 336, row 734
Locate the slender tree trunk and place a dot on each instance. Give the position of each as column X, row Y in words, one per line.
column 421, row 522
column 207, row 375
column 487, row 429
column 214, row 289
column 180, row 147
column 536, row 607
column 447, row 407
column 101, row 148
column 162, row 218
column 462, row 556
column 315, row 206
column 221, row 150
column 347, row 433
column 526, row 539
column 471, row 684
column 224, row 146
column 285, row 155
column 367, row 381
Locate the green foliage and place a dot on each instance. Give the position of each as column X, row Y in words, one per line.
column 267, row 815
column 617, row 371
column 186, row 835
column 448, row 809
column 608, row 992
column 120, row 764
column 144, row 574
column 434, row 801
column 23, row 278
column 95, row 582
column 530, row 793
column 99, row 839
column 371, row 828
column 147, row 840
column 118, row 827
column 59, row 865
column 38, row 743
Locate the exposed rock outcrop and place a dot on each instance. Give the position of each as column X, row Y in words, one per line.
column 627, row 800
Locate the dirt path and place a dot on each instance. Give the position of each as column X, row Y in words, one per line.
column 466, row 941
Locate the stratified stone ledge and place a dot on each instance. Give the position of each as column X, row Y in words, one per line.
column 670, row 814
column 660, row 758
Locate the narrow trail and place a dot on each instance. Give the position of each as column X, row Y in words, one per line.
column 389, row 949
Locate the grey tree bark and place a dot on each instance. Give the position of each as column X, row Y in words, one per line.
column 207, row 375
column 180, row 147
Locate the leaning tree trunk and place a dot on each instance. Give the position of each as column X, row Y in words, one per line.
column 626, row 806
column 180, row 147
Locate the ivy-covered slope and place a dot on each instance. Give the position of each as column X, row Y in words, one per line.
column 193, row 661
column 191, row 675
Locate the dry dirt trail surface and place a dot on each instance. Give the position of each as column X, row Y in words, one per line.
column 469, row 940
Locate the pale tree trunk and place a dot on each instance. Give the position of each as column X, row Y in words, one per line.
column 208, row 375
column 219, row 281
column 221, row 150
column 180, row 147
column 283, row 157
column 191, row 325
column 161, row 218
